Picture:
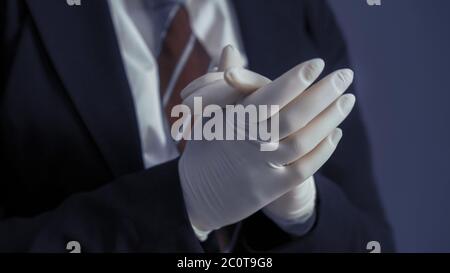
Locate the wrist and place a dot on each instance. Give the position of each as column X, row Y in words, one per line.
column 201, row 235
column 296, row 206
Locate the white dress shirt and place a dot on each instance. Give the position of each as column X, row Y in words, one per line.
column 215, row 25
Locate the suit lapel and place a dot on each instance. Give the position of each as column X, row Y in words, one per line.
column 82, row 46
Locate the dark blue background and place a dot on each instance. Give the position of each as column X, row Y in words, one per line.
column 400, row 52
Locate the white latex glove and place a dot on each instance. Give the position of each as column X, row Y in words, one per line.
column 226, row 181
column 298, row 205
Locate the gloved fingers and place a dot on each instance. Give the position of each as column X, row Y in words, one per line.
column 218, row 93
column 245, row 80
column 215, row 90
column 308, row 165
column 230, row 58
column 287, row 87
column 200, row 83
column 305, row 140
column 311, row 103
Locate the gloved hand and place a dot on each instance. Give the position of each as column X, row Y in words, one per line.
column 295, row 208
column 226, row 181
column 298, row 205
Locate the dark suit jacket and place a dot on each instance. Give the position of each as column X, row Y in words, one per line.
column 71, row 164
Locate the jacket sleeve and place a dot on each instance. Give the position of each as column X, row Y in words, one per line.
column 142, row 212
column 349, row 213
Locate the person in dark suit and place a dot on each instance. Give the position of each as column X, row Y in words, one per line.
column 76, row 161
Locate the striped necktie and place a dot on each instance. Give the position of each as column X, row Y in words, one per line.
column 182, row 60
